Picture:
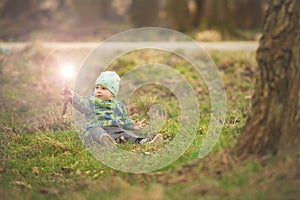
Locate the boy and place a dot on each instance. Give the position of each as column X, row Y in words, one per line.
column 108, row 121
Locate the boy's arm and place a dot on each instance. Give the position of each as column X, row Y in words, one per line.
column 82, row 104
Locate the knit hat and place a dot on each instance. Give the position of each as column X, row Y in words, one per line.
column 109, row 79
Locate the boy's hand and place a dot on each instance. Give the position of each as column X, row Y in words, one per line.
column 67, row 93
column 138, row 125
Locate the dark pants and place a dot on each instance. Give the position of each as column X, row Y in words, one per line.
column 115, row 132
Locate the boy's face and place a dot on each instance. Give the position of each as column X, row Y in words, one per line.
column 101, row 92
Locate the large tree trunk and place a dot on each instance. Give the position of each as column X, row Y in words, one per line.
column 274, row 124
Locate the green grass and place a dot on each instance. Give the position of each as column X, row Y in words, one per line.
column 42, row 156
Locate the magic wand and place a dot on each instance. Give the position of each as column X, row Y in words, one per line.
column 67, row 71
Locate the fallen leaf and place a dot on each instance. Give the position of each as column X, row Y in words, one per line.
column 78, row 172
column 67, row 153
column 35, row 170
column 96, row 175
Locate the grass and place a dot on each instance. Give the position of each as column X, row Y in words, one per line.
column 42, row 156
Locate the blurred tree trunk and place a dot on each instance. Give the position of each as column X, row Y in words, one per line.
column 87, row 12
column 273, row 127
column 144, row 12
column 107, row 11
column 246, row 14
column 216, row 16
column 179, row 14
column 199, row 12
column 17, row 8
column 229, row 16
column 90, row 12
column 20, row 18
column 61, row 5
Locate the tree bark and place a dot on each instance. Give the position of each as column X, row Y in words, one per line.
column 274, row 125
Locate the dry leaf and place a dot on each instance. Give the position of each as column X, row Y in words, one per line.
column 35, row 170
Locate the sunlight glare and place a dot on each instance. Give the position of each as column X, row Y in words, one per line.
column 67, row 71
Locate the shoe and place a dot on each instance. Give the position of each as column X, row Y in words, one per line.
column 156, row 140
column 107, row 140
column 144, row 141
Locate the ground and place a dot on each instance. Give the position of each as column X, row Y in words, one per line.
column 42, row 155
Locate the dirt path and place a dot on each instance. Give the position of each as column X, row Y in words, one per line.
column 222, row 46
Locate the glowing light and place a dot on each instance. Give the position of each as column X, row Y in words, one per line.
column 67, row 71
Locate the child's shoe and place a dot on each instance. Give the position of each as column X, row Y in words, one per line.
column 159, row 138
column 156, row 140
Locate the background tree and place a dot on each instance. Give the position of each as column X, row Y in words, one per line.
column 144, row 12
column 199, row 8
column 19, row 18
column 228, row 17
column 216, row 16
column 273, row 126
column 179, row 14
column 17, row 8
column 87, row 12
column 232, row 18
column 246, row 14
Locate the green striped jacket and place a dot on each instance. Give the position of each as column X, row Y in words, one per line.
column 102, row 113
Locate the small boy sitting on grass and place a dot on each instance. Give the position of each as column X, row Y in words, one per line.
column 107, row 119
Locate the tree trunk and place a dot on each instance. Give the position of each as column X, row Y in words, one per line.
column 178, row 12
column 246, row 14
column 144, row 12
column 199, row 12
column 216, row 15
column 88, row 12
column 17, row 8
column 274, row 125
